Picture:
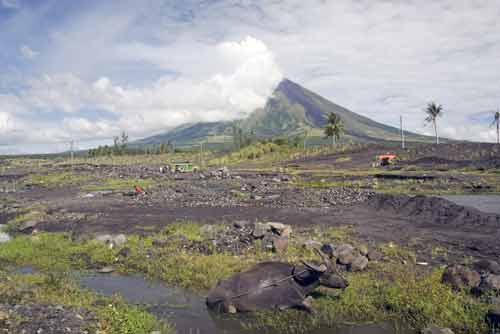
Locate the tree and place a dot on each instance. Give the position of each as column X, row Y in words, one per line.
column 496, row 120
column 123, row 142
column 434, row 111
column 334, row 127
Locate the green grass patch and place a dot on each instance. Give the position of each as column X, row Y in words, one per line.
column 120, row 184
column 53, row 180
column 114, row 315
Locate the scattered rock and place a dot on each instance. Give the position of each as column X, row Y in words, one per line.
column 363, row 250
column 460, row 277
column 436, row 330
column 260, row 230
column 161, row 242
column 487, row 267
column 280, row 244
column 490, row 283
column 27, row 226
column 493, row 317
column 124, row 252
column 327, row 249
column 312, row 244
column 112, row 240
column 346, row 258
column 375, row 255
column 358, row 264
column 241, row 223
column 344, row 248
column 106, row 270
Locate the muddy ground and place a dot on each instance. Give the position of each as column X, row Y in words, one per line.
column 422, row 223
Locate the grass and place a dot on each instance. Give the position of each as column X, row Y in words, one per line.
column 388, row 290
column 119, row 184
column 52, row 180
column 114, row 315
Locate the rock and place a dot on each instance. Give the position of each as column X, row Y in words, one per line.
column 460, row 277
column 160, row 242
column 280, row 244
column 240, row 224
column 487, row 267
column 375, row 255
column 124, row 252
column 4, row 316
column 358, row 264
column 363, row 250
column 490, row 283
column 260, row 230
column 327, row 249
column 436, row 330
column 106, row 270
column 112, row 240
column 311, row 244
column 27, row 226
column 346, row 258
column 120, row 239
column 344, row 248
column 493, row 317
column 206, row 229
column 276, row 227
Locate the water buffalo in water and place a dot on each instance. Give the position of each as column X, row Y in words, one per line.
column 273, row 285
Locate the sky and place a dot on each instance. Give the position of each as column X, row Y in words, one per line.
column 87, row 70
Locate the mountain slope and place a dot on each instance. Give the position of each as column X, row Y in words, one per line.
column 290, row 111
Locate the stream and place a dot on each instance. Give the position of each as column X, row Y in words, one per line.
column 187, row 311
column 485, row 203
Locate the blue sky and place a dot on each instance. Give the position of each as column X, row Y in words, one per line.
column 90, row 69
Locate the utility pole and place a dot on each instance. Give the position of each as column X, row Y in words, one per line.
column 201, row 155
column 402, row 132
column 305, row 144
column 72, row 146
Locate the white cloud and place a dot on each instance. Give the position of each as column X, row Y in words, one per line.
column 10, row 3
column 244, row 84
column 27, row 52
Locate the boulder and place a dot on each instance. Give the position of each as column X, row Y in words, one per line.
column 311, row 244
column 487, row 267
column 343, row 249
column 375, row 255
column 490, row 283
column 27, row 226
column 161, row 242
column 347, row 258
column 328, row 249
column 363, row 250
column 112, row 240
column 359, row 264
column 280, row 244
column 260, row 230
column 493, row 317
column 436, row 330
column 460, row 277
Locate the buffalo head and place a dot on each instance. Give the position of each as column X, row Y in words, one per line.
column 324, row 274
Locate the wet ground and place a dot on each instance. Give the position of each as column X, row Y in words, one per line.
column 187, row 311
column 485, row 203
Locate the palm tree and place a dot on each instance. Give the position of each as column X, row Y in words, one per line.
column 434, row 111
column 497, row 122
column 334, row 127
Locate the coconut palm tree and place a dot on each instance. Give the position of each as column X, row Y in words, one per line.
column 334, row 127
column 497, row 122
column 434, row 111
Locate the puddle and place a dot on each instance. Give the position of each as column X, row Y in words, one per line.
column 187, row 311
column 4, row 237
column 485, row 203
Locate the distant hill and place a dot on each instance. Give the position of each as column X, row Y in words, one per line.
column 290, row 111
